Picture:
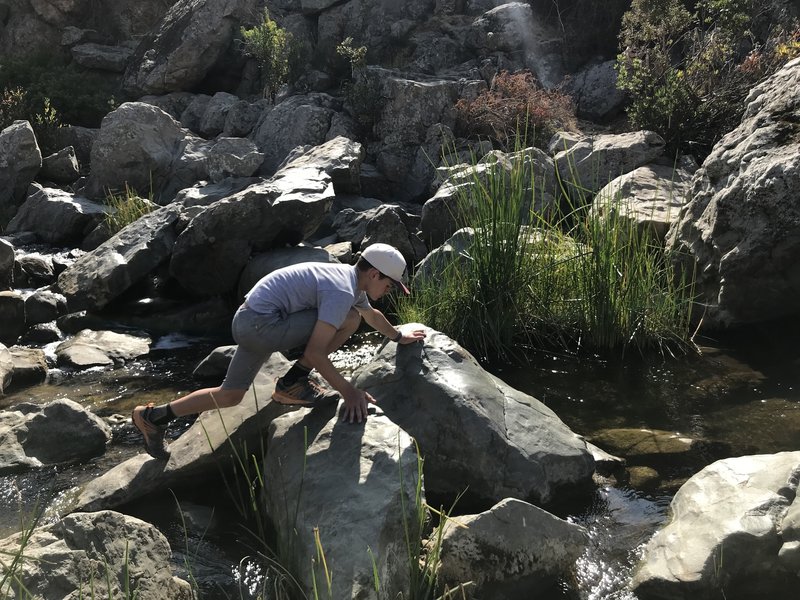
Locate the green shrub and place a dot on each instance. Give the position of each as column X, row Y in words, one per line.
column 687, row 73
column 515, row 102
column 564, row 281
column 78, row 96
column 271, row 47
column 362, row 92
column 15, row 105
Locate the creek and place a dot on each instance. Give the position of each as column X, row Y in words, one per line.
column 741, row 394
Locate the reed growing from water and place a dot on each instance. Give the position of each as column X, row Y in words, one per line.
column 544, row 273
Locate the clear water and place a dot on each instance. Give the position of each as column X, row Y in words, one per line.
column 742, row 391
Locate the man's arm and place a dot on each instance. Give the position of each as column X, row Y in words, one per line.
column 379, row 323
column 316, row 354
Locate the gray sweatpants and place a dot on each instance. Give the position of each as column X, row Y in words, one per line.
column 258, row 336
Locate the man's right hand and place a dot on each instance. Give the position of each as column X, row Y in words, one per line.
column 355, row 405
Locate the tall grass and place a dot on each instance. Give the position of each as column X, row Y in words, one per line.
column 126, row 207
column 559, row 278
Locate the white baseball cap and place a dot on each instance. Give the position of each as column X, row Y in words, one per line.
column 388, row 260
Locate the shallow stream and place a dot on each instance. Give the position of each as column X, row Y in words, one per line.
column 742, row 394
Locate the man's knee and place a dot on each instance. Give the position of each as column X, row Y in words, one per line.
column 225, row 398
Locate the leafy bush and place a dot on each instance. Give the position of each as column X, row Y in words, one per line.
column 15, row 105
column 78, row 97
column 513, row 103
column 271, row 47
column 362, row 92
column 687, row 73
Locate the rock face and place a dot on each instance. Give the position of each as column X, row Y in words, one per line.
column 59, row 432
column 110, row 553
column 193, row 36
column 365, row 477
column 511, row 547
column 734, row 529
column 742, row 225
column 474, row 431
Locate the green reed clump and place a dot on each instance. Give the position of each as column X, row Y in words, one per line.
column 126, row 207
column 544, row 273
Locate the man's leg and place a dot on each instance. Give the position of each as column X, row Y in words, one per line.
column 344, row 333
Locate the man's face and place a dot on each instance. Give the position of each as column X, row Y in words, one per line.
column 378, row 285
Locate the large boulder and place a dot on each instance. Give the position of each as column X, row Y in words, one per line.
column 56, row 217
column 12, row 316
column 365, row 475
column 265, row 262
column 99, row 276
column 591, row 163
column 508, row 548
column 191, row 40
column 285, row 209
column 649, row 198
column 59, row 432
column 474, row 431
column 20, row 161
column 297, row 121
column 111, row 554
column 136, row 147
column 734, row 530
column 740, row 232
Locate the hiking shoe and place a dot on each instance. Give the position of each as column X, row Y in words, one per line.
column 153, row 434
column 303, row 392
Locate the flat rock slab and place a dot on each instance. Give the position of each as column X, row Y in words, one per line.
column 100, row 348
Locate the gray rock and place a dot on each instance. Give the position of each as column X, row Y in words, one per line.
column 59, row 432
column 738, row 547
column 372, row 466
column 43, row 306
column 594, row 162
column 81, row 139
column 512, row 546
column 6, row 264
column 173, row 103
column 594, row 89
column 20, row 161
column 454, row 248
column 99, row 276
column 340, row 158
column 100, row 348
column 474, row 431
column 113, row 553
column 191, row 116
column 298, row 121
column 243, row 116
column 389, row 226
column 6, row 368
column 57, row 217
column 233, row 157
column 190, row 40
column 61, row 167
column 287, row 208
column 740, row 233
column 30, row 366
column 12, row 317
column 650, row 198
column 215, row 365
column 136, row 147
column 102, row 57
column 213, row 121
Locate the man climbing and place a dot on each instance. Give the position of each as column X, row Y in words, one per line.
column 316, row 305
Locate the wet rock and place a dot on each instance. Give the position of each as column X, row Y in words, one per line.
column 34, row 270
column 41, row 334
column 100, row 348
column 474, row 431
column 643, row 478
column 511, row 547
column 654, row 447
column 12, row 317
column 110, row 553
column 733, row 528
column 59, row 432
column 43, row 306
column 372, row 466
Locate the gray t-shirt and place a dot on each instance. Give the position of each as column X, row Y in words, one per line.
column 331, row 289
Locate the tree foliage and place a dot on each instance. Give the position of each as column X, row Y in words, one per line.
column 271, row 47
